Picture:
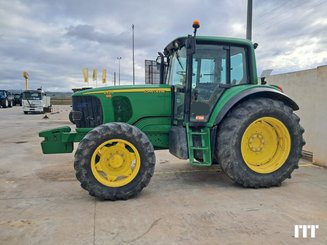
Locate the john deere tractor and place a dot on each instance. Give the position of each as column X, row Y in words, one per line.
column 208, row 108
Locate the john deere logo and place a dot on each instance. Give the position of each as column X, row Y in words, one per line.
column 108, row 94
column 154, row 91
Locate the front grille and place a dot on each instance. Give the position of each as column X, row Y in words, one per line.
column 89, row 110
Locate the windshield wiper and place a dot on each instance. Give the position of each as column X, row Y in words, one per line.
column 179, row 62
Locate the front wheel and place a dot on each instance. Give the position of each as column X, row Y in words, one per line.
column 114, row 161
column 260, row 143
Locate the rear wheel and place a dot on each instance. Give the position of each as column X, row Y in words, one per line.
column 114, row 161
column 260, row 143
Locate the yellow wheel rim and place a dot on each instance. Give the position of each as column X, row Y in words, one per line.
column 266, row 144
column 115, row 162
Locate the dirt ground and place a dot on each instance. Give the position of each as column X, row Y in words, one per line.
column 41, row 202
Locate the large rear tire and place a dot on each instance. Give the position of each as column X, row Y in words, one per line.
column 260, row 143
column 114, row 161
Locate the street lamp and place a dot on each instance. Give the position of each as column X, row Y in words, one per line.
column 118, row 58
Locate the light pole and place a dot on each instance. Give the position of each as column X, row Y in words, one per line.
column 249, row 21
column 133, row 54
column 118, row 58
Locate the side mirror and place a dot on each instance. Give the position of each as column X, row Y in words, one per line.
column 158, row 60
column 263, row 80
column 264, row 74
column 161, row 63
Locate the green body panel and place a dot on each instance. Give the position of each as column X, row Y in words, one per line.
column 143, row 101
column 148, row 108
column 144, row 106
column 157, row 129
column 228, row 95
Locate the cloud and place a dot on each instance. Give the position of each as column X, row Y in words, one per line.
column 88, row 33
column 290, row 35
column 54, row 40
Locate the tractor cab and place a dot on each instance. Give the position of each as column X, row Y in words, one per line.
column 216, row 66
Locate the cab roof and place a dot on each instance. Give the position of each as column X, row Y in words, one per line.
column 180, row 41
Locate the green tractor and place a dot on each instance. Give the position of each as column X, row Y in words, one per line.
column 208, row 108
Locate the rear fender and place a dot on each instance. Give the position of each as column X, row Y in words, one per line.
column 254, row 93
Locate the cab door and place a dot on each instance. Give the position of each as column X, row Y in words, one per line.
column 208, row 80
column 208, row 73
column 215, row 68
column 177, row 78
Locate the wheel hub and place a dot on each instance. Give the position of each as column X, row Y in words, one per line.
column 256, row 142
column 265, row 145
column 115, row 162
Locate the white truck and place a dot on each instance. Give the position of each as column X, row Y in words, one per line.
column 36, row 101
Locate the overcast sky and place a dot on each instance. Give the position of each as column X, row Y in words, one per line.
column 54, row 40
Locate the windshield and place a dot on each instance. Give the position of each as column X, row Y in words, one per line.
column 32, row 96
column 177, row 72
column 17, row 96
column 210, row 66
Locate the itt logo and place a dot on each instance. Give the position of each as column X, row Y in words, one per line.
column 301, row 231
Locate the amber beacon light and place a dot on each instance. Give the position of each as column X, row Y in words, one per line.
column 196, row 24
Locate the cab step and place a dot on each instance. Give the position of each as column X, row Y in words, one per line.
column 205, row 146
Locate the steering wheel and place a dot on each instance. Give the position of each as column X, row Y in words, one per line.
column 182, row 73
